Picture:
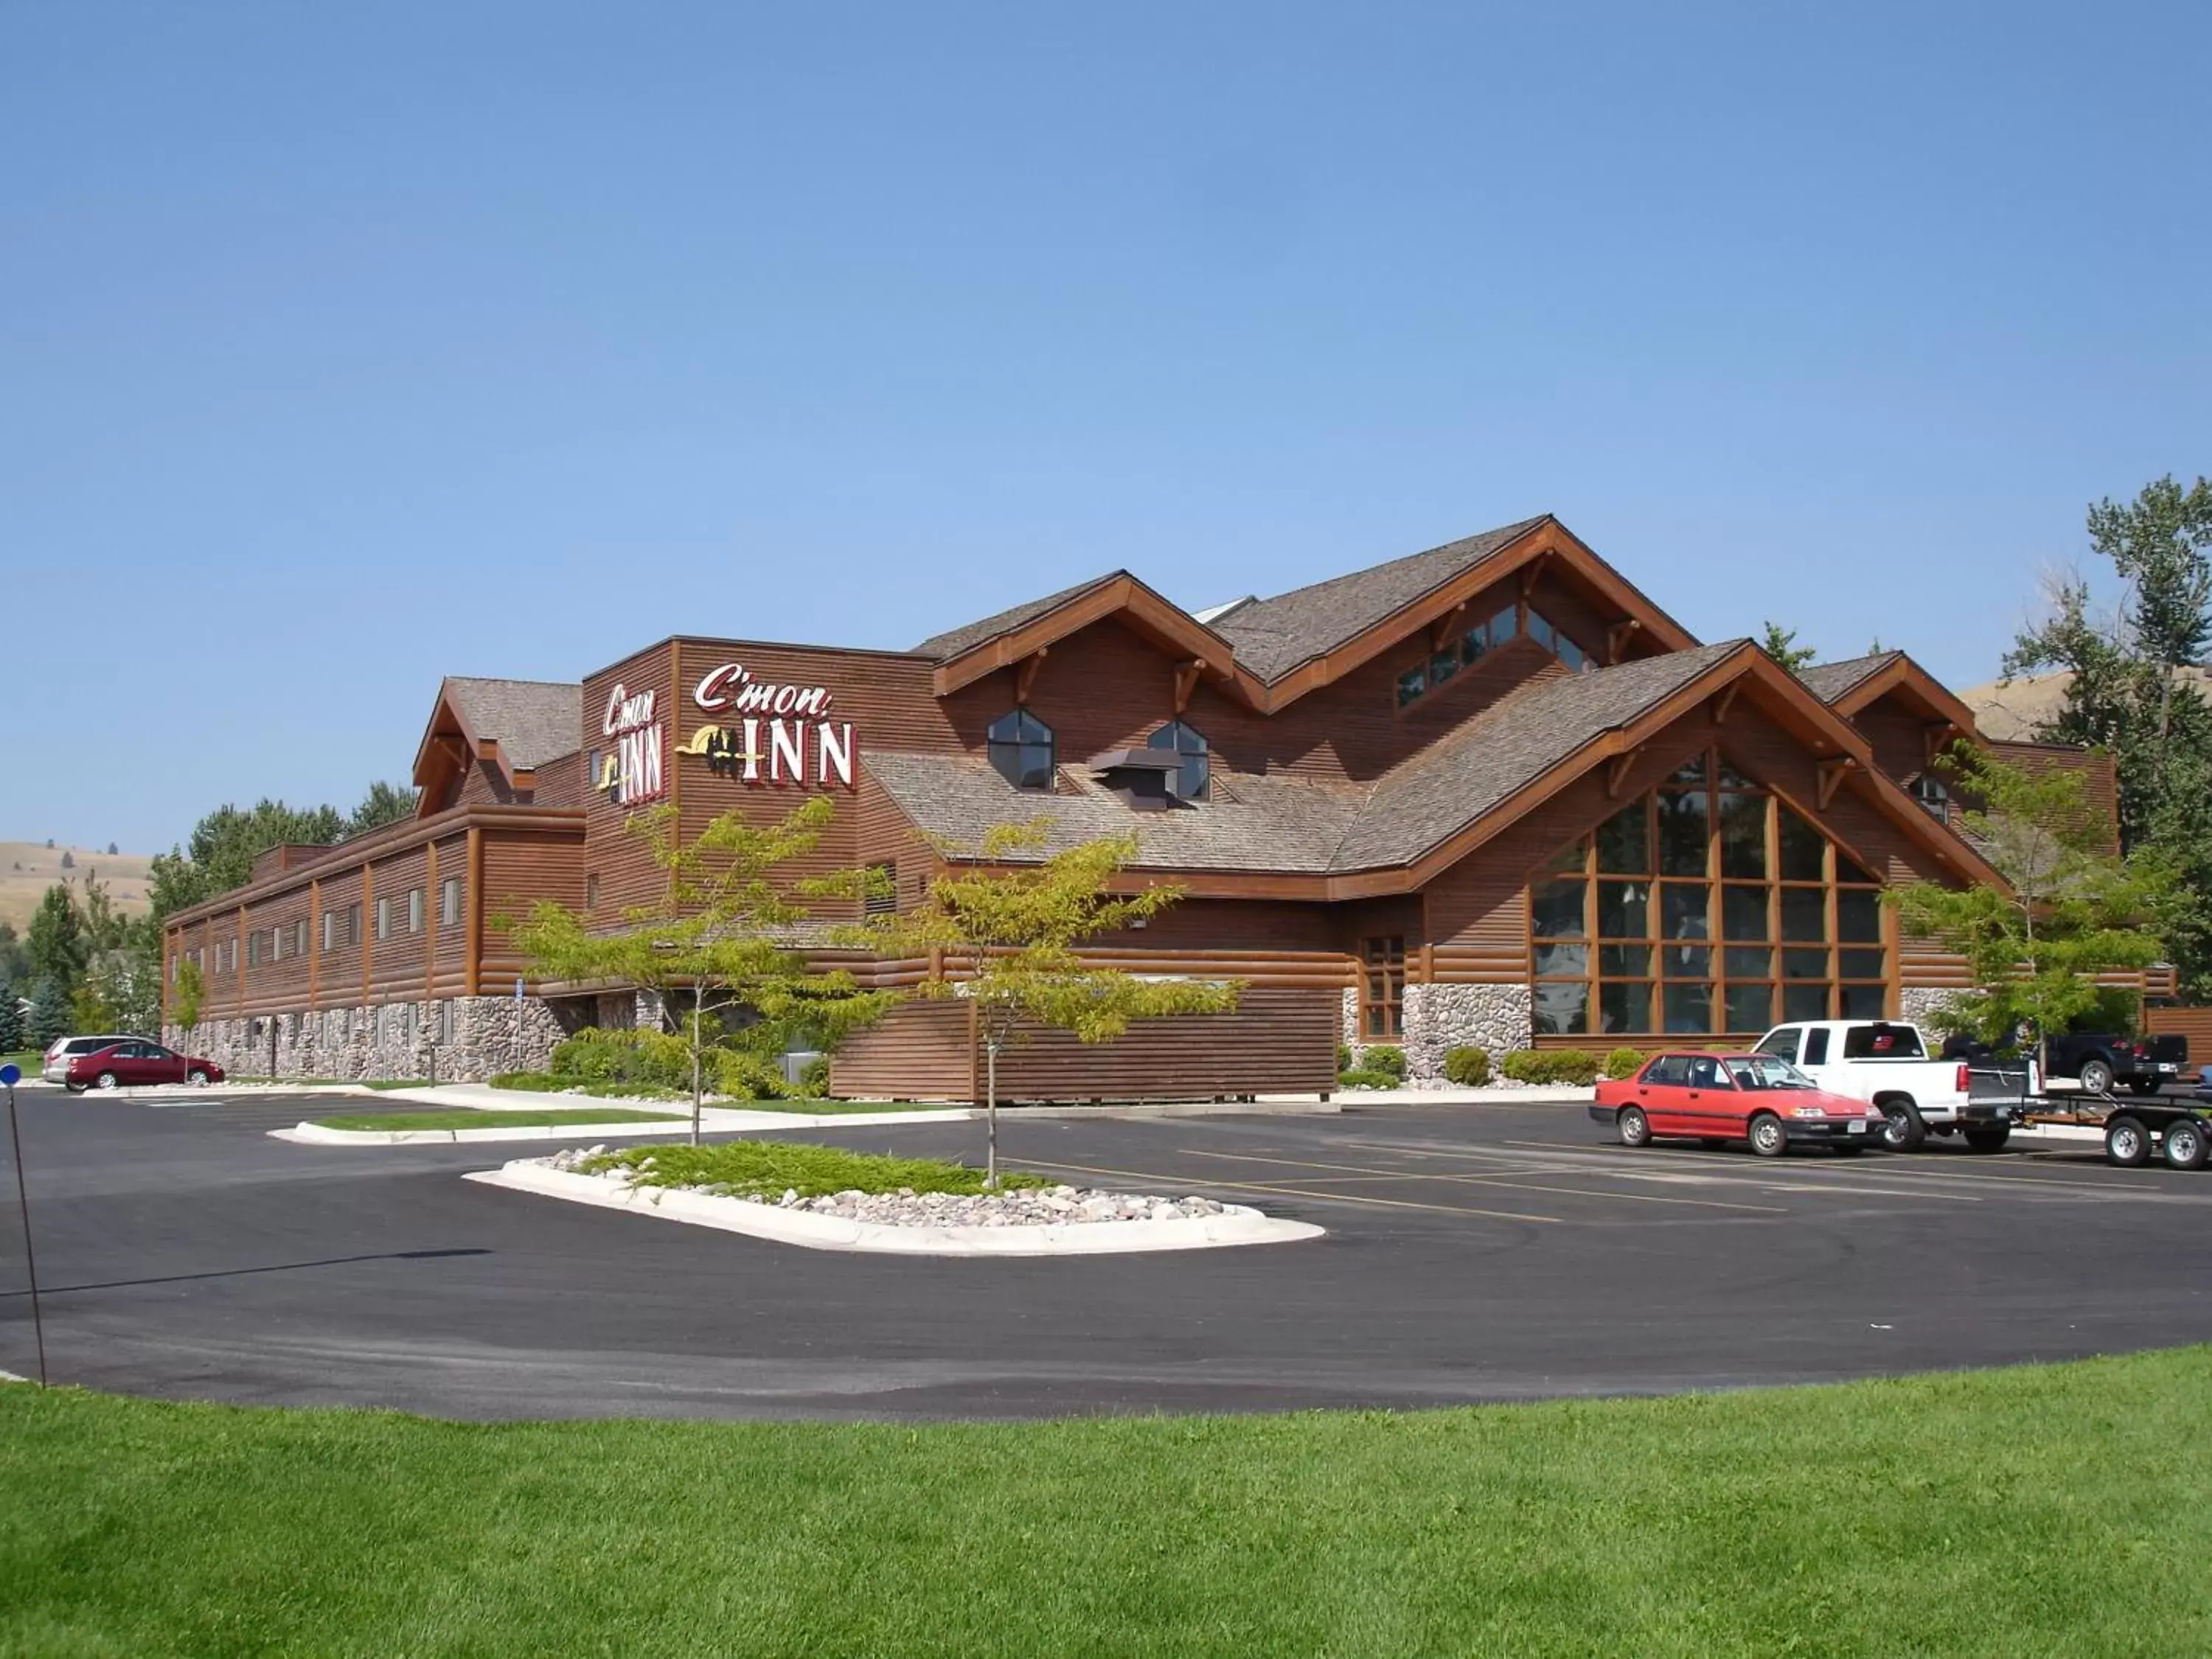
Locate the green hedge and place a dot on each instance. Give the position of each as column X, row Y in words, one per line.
column 1384, row 1057
column 1469, row 1066
column 1623, row 1062
column 1551, row 1065
column 1367, row 1077
column 638, row 1056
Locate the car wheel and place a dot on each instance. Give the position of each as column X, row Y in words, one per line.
column 1989, row 1141
column 74, row 1088
column 1635, row 1128
column 197, row 1077
column 105, row 1081
column 2185, row 1147
column 2096, row 1077
column 1902, row 1130
column 2144, row 1086
column 2127, row 1143
column 1768, row 1137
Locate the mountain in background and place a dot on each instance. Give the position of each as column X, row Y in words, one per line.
column 2010, row 711
column 28, row 868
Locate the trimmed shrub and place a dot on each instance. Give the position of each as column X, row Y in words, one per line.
column 637, row 1056
column 814, row 1077
column 1384, row 1057
column 1623, row 1062
column 1551, row 1065
column 1367, row 1077
column 1343, row 1056
column 745, row 1076
column 1467, row 1066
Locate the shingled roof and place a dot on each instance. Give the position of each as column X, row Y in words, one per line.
column 946, row 646
column 1830, row 680
column 532, row 721
column 1298, row 826
column 1506, row 748
column 1273, row 636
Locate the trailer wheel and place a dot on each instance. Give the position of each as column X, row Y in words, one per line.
column 2186, row 1146
column 2127, row 1143
column 1903, row 1130
column 1635, row 1128
column 1989, row 1141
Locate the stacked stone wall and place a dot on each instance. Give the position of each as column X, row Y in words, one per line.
column 485, row 1035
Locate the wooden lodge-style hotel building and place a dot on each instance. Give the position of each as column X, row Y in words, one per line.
column 1487, row 793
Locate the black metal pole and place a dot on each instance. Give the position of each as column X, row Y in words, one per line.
column 23, row 1204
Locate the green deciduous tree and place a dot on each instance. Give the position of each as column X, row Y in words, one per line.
column 1781, row 644
column 2073, row 911
column 186, row 994
column 720, row 938
column 2132, row 693
column 1014, row 923
column 219, row 853
column 57, row 944
column 386, row 803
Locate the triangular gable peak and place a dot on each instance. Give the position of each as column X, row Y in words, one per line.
column 1863, row 682
column 502, row 729
column 1842, row 759
column 1024, row 643
column 1325, row 650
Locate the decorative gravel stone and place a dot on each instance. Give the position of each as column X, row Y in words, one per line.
column 1024, row 1206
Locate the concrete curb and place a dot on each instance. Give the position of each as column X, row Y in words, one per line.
column 713, row 1122
column 1237, row 1226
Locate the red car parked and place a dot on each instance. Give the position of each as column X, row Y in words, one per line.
column 132, row 1062
column 1723, row 1097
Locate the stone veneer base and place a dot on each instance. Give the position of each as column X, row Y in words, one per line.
column 488, row 1035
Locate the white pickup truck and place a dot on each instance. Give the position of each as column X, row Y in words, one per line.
column 1888, row 1063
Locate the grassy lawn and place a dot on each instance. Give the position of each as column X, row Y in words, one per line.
column 2052, row 1510
column 756, row 1169
column 465, row 1119
column 28, row 1061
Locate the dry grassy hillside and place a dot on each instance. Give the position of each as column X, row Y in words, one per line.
column 28, row 868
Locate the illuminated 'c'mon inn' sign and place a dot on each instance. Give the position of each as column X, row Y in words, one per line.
column 778, row 734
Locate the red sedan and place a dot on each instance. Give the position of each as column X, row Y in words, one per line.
column 1718, row 1098
column 133, row 1062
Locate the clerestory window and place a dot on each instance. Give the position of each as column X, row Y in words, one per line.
column 1190, row 748
column 1021, row 749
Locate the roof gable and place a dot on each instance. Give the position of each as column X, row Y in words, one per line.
column 517, row 725
column 1858, row 683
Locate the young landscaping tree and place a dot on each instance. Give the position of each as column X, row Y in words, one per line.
column 1014, row 923
column 185, row 997
column 2072, row 912
column 1781, row 644
column 722, row 934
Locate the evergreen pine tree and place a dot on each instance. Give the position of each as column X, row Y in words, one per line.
column 11, row 1018
column 50, row 1013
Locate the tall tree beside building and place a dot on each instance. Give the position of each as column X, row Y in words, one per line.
column 2131, row 694
column 55, row 944
column 50, row 1012
column 1014, row 931
column 719, row 941
column 219, row 853
column 386, row 803
column 2073, row 911
column 1781, row 644
column 186, row 996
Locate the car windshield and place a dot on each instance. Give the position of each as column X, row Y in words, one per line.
column 1767, row 1071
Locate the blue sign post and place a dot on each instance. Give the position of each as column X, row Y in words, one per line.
column 10, row 1075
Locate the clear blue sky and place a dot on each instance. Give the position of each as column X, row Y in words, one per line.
column 344, row 346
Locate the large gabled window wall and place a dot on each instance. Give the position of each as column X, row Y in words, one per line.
column 1708, row 908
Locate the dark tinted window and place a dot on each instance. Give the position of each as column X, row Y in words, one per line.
column 1816, row 1047
column 1667, row 1068
column 1882, row 1041
column 1021, row 749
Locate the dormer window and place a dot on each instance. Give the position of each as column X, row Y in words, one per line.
column 1189, row 746
column 1933, row 796
column 1021, row 749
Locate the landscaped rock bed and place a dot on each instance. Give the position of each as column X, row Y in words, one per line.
column 1024, row 1201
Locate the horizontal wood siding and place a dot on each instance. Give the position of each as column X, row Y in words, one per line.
column 920, row 1050
column 2194, row 1023
column 520, row 868
column 1277, row 1041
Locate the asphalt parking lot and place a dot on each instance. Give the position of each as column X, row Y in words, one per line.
column 1474, row 1253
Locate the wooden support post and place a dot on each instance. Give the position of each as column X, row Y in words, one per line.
column 1445, row 626
column 1616, row 771
column 1617, row 638
column 1725, row 701
column 432, row 913
column 1186, row 681
column 473, row 939
column 367, row 928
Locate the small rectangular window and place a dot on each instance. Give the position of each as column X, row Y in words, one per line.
column 299, row 937
column 353, row 923
column 414, row 910
column 384, row 918
column 591, row 892
column 882, row 898
column 1412, row 682
column 1382, row 983
column 330, row 930
column 253, row 949
column 449, row 902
